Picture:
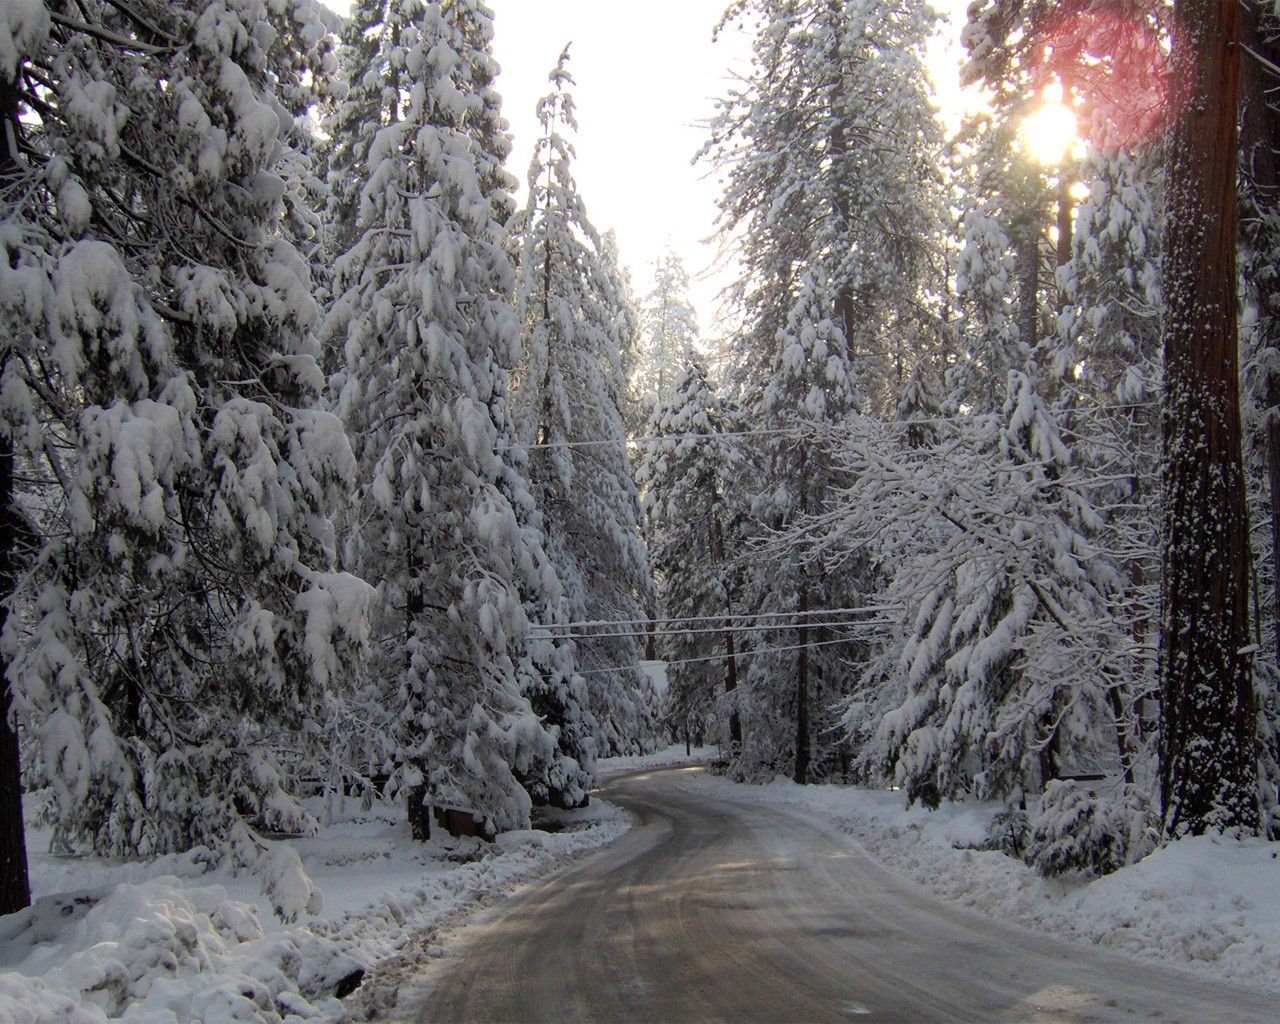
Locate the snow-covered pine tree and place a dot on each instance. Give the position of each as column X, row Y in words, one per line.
column 830, row 154
column 688, row 475
column 627, row 317
column 1007, row 667
column 476, row 708
column 179, row 614
column 24, row 33
column 987, row 276
column 1105, row 361
column 368, row 99
column 668, row 331
column 568, row 402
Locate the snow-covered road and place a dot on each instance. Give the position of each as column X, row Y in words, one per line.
column 717, row 908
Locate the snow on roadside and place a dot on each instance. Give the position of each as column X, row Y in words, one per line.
column 672, row 756
column 177, row 940
column 1208, row 904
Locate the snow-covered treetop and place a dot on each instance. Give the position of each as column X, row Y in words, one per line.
column 668, row 333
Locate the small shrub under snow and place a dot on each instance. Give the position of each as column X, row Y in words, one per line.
column 1089, row 831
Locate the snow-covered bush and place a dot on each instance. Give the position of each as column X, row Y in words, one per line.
column 285, row 882
column 1010, row 831
column 1089, row 830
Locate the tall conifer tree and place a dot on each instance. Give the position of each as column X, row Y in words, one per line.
column 476, row 708
column 180, row 612
column 569, row 401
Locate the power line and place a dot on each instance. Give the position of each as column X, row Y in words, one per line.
column 746, row 616
column 758, row 628
column 703, row 435
column 717, row 657
column 801, row 430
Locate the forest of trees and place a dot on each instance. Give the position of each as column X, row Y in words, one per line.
column 320, row 458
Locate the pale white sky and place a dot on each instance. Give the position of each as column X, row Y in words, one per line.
column 646, row 76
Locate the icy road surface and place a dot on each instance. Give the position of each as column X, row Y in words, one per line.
column 721, row 910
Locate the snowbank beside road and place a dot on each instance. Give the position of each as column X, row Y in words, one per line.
column 178, row 941
column 1208, row 904
column 673, row 756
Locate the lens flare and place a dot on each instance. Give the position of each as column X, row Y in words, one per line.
column 1116, row 66
column 1048, row 133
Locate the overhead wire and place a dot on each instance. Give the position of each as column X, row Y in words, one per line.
column 702, row 631
column 736, row 616
column 718, row 657
column 716, row 435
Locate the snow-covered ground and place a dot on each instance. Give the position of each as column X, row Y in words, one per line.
column 1209, row 904
column 175, row 941
column 673, row 756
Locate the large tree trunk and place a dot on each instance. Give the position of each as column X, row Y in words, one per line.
column 1208, row 766
column 15, row 888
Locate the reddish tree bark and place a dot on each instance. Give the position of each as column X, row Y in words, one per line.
column 1208, row 765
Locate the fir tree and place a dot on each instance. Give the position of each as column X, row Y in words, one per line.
column 668, row 332
column 569, row 411
column 831, row 187
column 444, row 525
column 688, row 478
column 180, row 613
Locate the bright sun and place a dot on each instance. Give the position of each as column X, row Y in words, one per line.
column 1049, row 132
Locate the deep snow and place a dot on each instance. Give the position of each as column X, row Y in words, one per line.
column 177, row 940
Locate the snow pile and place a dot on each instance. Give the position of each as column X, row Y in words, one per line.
column 672, row 756
column 1208, row 904
column 161, row 951
column 181, row 940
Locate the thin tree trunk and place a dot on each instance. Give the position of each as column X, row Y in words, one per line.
column 419, row 813
column 731, row 661
column 1065, row 225
column 1066, row 206
column 1122, row 739
column 1260, row 137
column 802, row 690
column 15, row 887
column 1028, row 271
column 841, row 205
column 1208, row 764
column 651, row 632
column 415, row 605
column 731, row 684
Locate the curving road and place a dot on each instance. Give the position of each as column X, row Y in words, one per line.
column 718, row 910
